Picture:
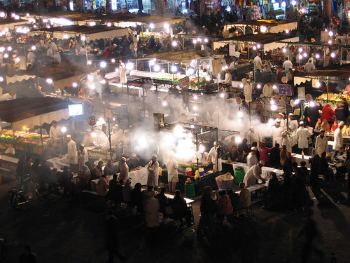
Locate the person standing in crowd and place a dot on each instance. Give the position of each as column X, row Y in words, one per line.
column 257, row 63
column 309, row 66
column 173, row 176
column 302, row 136
column 109, row 168
column 72, row 153
column 252, row 157
column 55, row 133
column 287, row 65
column 151, row 211
column 152, row 168
column 247, row 91
column 338, row 139
column 321, row 143
column 213, row 156
column 277, row 133
column 83, row 157
column 112, row 237
column 123, row 170
column 97, row 171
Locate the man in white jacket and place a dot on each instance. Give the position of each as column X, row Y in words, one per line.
column 173, row 176
column 253, row 174
column 338, row 139
column 247, row 91
column 152, row 168
column 72, row 152
column 252, row 157
column 302, row 136
column 321, row 143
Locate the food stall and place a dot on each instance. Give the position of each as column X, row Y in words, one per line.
column 26, row 117
column 259, row 26
column 248, row 43
column 91, row 32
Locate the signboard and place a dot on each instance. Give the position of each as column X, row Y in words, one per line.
column 75, row 109
column 285, row 89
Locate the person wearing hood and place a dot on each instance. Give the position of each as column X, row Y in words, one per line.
column 338, row 139
column 123, row 170
column 247, row 91
column 309, row 66
column 152, row 168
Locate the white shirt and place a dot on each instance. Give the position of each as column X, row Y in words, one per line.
column 251, row 159
column 248, row 90
column 252, row 175
column 228, row 78
column 257, row 63
column 321, row 145
column 293, row 125
column 55, row 132
column 172, row 166
column 338, row 140
column 309, row 66
column 287, row 65
column 72, row 153
column 302, row 137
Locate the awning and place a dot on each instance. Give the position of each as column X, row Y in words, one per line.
column 31, row 112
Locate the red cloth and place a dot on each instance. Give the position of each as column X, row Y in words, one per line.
column 327, row 113
column 264, row 154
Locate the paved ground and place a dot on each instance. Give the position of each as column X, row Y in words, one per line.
column 62, row 230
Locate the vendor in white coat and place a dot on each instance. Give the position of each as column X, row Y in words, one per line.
column 292, row 124
column 55, row 132
column 252, row 158
column 247, row 91
column 173, row 176
column 321, row 143
column 338, row 139
column 253, row 174
column 152, row 168
column 213, row 156
column 72, row 152
column 122, row 72
column 302, row 137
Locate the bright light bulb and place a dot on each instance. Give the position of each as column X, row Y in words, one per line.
column 300, row 50
column 90, row 77
column 238, row 139
column 151, row 26
column 63, row 129
column 74, row 84
column 317, row 56
column 164, row 103
column 333, row 55
column 258, row 86
column 174, row 43
column 113, row 60
column 274, row 107
column 296, row 102
column 33, row 48
column 263, row 29
column 129, row 66
column 222, row 95
column 173, row 69
column 103, row 64
column 49, row 81
column 89, row 62
column 284, row 50
column 156, row 68
column 240, row 114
